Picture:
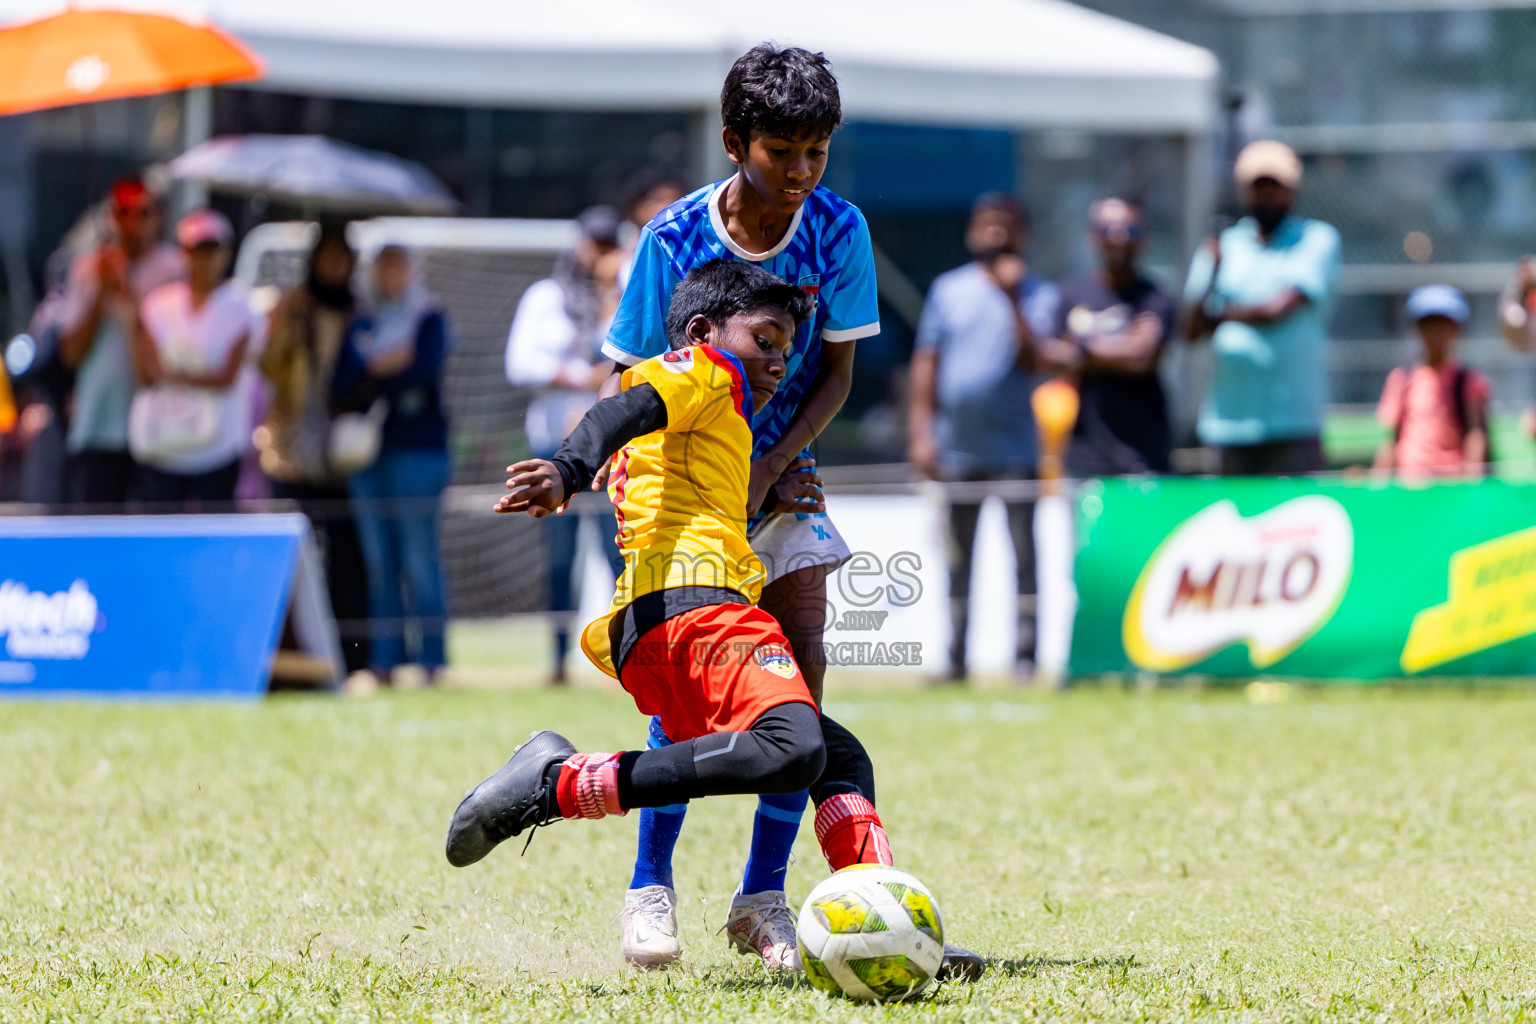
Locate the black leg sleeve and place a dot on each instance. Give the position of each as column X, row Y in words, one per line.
column 848, row 769
column 782, row 752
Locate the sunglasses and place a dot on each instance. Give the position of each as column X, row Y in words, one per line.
column 1127, row 232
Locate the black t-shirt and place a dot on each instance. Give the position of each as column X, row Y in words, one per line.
column 1122, row 425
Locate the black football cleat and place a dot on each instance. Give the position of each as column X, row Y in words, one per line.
column 960, row 964
column 518, row 797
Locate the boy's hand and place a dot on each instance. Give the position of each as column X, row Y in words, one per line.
column 537, row 488
column 798, row 489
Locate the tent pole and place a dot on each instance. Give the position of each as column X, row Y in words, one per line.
column 1188, row 374
column 196, row 128
column 1199, row 191
column 709, row 160
column 15, row 208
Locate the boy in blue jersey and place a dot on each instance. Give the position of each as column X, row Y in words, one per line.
column 780, row 107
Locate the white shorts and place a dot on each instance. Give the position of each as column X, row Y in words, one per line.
column 797, row 540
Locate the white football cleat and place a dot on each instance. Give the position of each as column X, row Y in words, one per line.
column 762, row 924
column 649, row 926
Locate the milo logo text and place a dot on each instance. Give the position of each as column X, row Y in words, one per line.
column 1218, row 579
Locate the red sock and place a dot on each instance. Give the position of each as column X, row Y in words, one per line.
column 588, row 786
column 850, row 832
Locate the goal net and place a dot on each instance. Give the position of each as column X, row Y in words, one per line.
column 477, row 270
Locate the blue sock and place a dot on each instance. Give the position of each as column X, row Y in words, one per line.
column 659, row 827
column 773, row 836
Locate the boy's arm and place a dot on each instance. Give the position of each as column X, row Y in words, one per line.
column 825, row 397
column 638, row 330
column 852, row 312
column 609, row 388
column 541, row 486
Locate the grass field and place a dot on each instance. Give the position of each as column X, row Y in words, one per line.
column 1136, row 856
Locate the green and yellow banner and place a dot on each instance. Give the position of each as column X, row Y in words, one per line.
column 1329, row 579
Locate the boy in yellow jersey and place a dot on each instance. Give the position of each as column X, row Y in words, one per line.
column 683, row 635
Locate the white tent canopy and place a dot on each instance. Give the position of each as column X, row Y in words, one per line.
column 1003, row 63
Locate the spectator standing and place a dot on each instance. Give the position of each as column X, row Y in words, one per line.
column 1263, row 291
column 648, row 193
column 190, row 425
column 395, row 355
column 1110, row 331
column 969, row 417
column 45, row 393
column 1517, row 306
column 554, row 345
column 96, row 322
column 308, row 327
column 1437, row 408
column 1517, row 321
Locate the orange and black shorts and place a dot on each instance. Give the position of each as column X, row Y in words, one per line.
column 712, row 669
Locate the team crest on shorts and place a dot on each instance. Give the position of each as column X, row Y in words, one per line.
column 776, row 659
column 679, row 360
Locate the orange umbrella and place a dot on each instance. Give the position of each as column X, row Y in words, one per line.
column 79, row 56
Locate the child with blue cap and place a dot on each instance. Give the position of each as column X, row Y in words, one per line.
column 1436, row 409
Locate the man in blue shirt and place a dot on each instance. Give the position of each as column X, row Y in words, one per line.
column 1263, row 292
column 969, row 417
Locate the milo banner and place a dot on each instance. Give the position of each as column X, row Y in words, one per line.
column 1329, row 579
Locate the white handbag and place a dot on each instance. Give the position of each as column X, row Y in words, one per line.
column 356, row 438
column 168, row 421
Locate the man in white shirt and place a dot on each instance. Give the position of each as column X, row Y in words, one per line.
column 554, row 345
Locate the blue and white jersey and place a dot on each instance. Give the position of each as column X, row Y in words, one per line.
column 826, row 251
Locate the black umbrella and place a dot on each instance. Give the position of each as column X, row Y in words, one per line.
column 315, row 173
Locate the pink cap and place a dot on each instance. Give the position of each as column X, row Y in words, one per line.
column 202, row 227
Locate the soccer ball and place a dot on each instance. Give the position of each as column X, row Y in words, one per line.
column 871, row 933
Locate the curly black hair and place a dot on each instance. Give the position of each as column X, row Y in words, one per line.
column 724, row 287
column 781, row 90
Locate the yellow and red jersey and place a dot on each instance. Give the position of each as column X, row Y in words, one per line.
column 680, row 493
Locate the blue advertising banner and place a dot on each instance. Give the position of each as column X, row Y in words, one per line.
column 145, row 606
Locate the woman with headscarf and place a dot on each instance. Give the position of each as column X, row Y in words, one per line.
column 309, row 325
column 555, row 346
column 392, row 362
